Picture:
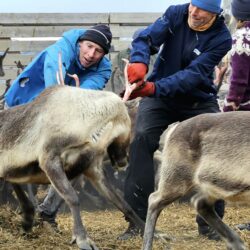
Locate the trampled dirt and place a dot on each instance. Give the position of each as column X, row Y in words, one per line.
column 177, row 221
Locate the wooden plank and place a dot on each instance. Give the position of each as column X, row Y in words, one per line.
column 120, row 44
column 55, row 31
column 53, row 18
column 36, row 46
column 37, row 31
column 134, row 18
column 2, row 87
column 24, row 46
column 10, row 59
column 10, row 73
column 124, row 31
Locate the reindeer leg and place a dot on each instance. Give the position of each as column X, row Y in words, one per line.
column 205, row 208
column 31, row 194
column 26, row 206
column 157, row 201
column 100, row 181
column 53, row 167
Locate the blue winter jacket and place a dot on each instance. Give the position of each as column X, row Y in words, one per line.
column 184, row 68
column 41, row 72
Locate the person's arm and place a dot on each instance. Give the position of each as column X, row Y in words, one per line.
column 185, row 80
column 50, row 70
column 239, row 79
column 197, row 72
column 149, row 39
column 96, row 80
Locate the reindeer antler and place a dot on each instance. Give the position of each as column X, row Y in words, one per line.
column 128, row 87
column 1, row 62
column 59, row 73
column 76, row 78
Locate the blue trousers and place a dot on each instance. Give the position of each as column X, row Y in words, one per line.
column 153, row 117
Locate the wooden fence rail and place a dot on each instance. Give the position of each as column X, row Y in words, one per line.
column 14, row 26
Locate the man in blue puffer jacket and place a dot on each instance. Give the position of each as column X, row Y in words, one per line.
column 83, row 53
column 193, row 40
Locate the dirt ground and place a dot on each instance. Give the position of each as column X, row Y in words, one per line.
column 177, row 221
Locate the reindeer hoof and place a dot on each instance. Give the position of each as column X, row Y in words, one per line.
column 87, row 246
column 73, row 240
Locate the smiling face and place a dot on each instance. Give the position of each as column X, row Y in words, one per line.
column 90, row 53
column 199, row 17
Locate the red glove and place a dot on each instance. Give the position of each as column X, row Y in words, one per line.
column 147, row 89
column 137, row 72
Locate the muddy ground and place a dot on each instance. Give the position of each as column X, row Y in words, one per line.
column 178, row 221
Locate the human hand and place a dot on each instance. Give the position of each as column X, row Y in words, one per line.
column 146, row 89
column 229, row 106
column 219, row 74
column 136, row 72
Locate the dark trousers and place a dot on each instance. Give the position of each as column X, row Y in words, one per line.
column 153, row 117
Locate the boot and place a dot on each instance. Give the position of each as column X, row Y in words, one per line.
column 132, row 231
column 209, row 233
column 244, row 226
column 43, row 217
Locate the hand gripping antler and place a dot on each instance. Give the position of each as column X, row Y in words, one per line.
column 129, row 88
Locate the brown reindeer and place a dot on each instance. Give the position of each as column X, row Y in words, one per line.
column 211, row 153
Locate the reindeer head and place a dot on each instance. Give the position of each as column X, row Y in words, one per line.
column 118, row 154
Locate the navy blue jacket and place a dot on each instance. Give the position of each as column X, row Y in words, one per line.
column 185, row 65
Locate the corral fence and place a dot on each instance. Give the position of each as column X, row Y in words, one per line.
column 26, row 34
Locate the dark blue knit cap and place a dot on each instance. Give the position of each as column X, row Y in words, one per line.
column 241, row 9
column 99, row 34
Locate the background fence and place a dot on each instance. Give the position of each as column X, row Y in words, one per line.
column 18, row 32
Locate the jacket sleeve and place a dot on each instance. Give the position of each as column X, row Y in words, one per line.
column 96, row 80
column 50, row 71
column 197, row 72
column 239, row 79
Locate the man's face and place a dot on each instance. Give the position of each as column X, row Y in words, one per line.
column 90, row 53
column 199, row 17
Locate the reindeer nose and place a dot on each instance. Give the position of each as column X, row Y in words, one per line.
column 122, row 163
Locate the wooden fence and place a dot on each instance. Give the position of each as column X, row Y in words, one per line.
column 16, row 29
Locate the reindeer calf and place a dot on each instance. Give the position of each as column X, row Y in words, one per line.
column 64, row 132
column 209, row 152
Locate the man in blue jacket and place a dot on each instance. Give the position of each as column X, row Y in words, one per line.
column 83, row 53
column 194, row 39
